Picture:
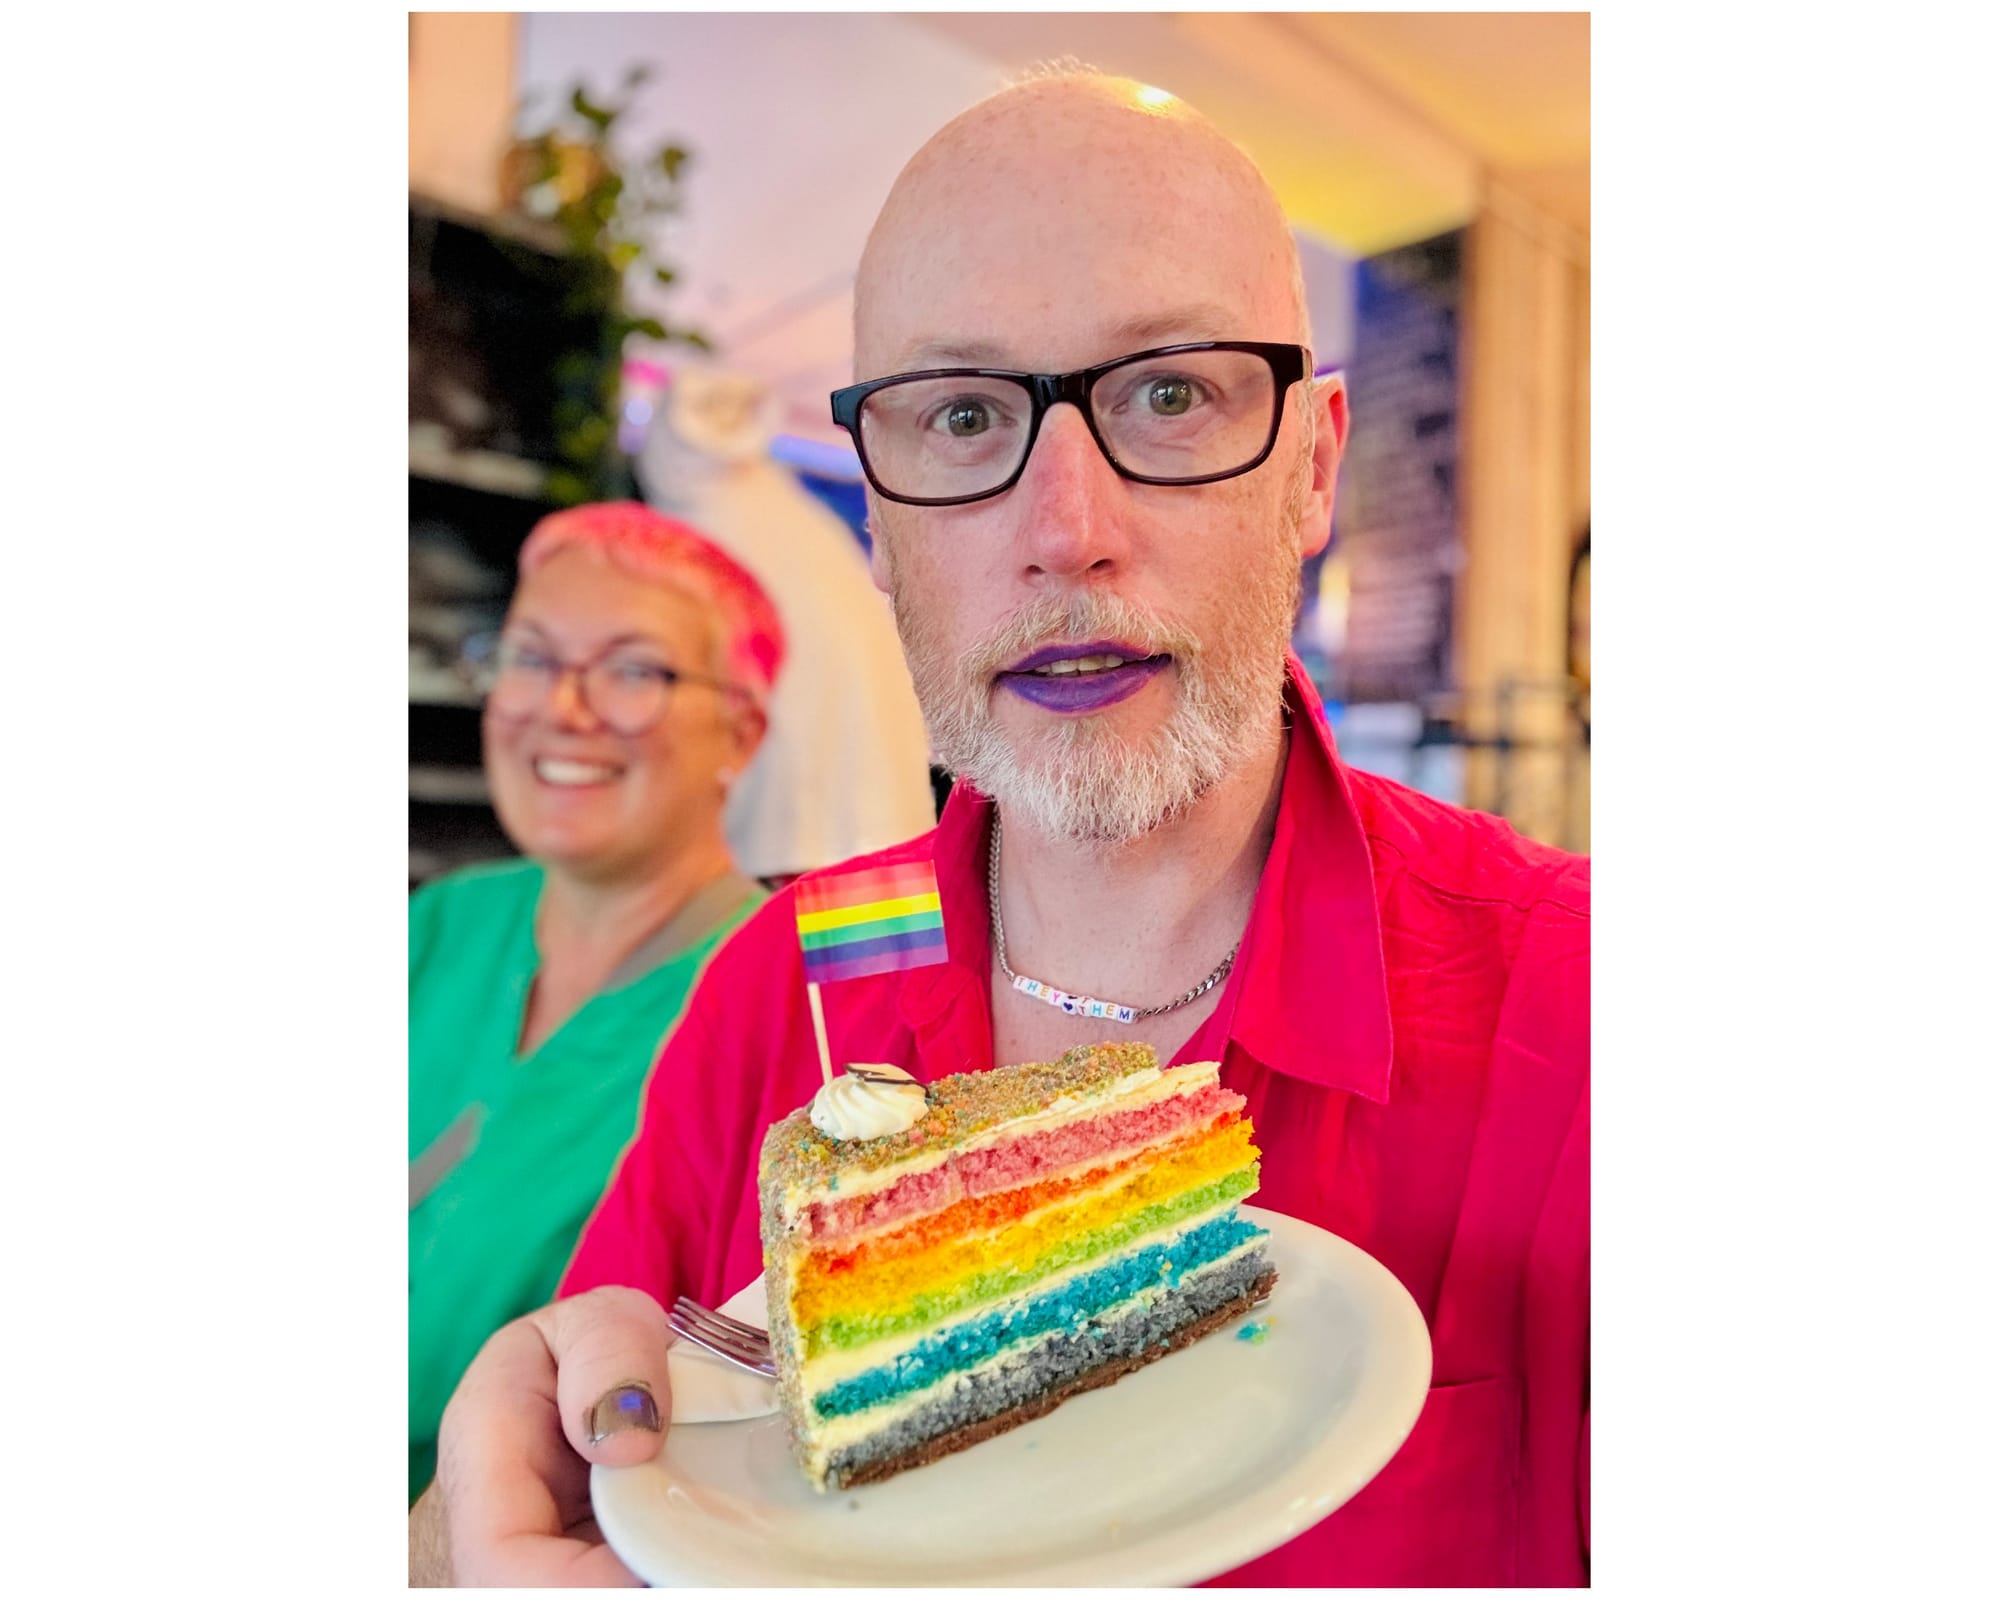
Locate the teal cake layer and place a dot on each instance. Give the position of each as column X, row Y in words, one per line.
column 1071, row 1305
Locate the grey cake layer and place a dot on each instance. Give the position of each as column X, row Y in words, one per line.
column 1061, row 1363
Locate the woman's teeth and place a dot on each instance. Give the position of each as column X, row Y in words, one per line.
column 572, row 774
column 1058, row 669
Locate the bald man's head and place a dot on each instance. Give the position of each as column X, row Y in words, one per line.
column 1066, row 215
column 1064, row 224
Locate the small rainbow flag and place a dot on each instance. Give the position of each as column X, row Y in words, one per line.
column 881, row 919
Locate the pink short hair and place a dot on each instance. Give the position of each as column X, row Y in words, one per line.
column 664, row 550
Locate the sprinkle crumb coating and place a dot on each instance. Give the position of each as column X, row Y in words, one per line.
column 797, row 1156
column 960, row 1107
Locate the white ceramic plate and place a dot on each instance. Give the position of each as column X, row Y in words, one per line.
column 1175, row 1473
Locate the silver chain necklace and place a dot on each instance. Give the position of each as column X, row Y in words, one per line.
column 1078, row 1005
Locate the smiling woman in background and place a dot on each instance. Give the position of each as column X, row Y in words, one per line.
column 627, row 692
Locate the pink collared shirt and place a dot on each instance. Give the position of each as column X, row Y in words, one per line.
column 1409, row 1022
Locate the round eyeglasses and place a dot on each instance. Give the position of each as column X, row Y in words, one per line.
column 1182, row 414
column 627, row 693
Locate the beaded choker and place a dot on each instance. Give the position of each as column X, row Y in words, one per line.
column 1078, row 1005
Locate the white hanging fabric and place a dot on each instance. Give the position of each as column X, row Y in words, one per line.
column 845, row 767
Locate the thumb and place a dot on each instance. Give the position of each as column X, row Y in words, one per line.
column 612, row 1393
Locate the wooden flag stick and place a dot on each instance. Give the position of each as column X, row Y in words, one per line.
column 819, row 1032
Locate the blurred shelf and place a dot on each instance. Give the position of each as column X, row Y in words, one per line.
column 440, row 686
column 485, row 470
column 545, row 238
column 449, row 786
column 489, row 329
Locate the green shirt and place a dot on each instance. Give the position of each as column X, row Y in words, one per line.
column 508, row 1155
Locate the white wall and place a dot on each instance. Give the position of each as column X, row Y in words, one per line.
column 798, row 124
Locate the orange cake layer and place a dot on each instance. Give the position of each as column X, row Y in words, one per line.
column 1012, row 1162
column 984, row 1213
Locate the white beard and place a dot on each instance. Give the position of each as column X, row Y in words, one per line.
column 1076, row 779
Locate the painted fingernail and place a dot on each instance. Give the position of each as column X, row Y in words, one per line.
column 625, row 1409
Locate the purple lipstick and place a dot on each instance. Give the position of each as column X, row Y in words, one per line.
column 1106, row 672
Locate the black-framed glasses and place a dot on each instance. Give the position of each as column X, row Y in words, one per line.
column 628, row 693
column 1183, row 414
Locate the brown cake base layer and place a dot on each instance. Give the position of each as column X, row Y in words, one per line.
column 1096, row 1378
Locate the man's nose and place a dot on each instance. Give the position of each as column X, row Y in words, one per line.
column 1073, row 503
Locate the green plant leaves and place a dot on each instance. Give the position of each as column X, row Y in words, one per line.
column 586, row 441
column 567, row 488
column 595, row 115
column 606, row 231
column 576, row 369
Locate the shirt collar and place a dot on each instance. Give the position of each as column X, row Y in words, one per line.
column 1307, row 997
column 1310, row 991
column 959, row 855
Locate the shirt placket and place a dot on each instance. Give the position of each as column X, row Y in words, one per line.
column 949, row 1021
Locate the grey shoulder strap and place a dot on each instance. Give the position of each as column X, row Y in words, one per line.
column 694, row 922
column 445, row 1152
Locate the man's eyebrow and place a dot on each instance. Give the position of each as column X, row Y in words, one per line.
column 947, row 353
column 1182, row 325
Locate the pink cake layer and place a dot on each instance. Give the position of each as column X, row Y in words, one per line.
column 1014, row 1162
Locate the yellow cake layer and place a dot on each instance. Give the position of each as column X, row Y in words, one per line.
column 821, row 1372
column 881, row 1288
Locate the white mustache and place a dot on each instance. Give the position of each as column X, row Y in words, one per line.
column 1079, row 619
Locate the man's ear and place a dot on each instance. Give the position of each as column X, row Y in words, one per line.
column 1328, row 399
column 878, row 558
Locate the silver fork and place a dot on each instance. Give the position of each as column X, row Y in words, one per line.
column 738, row 1343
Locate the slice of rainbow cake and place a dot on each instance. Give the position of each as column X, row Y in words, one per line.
column 1039, row 1231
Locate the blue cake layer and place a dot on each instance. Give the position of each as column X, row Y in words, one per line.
column 1070, row 1306
column 1022, row 1386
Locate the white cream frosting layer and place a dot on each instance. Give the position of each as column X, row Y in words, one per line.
column 1128, row 1093
column 848, row 1107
